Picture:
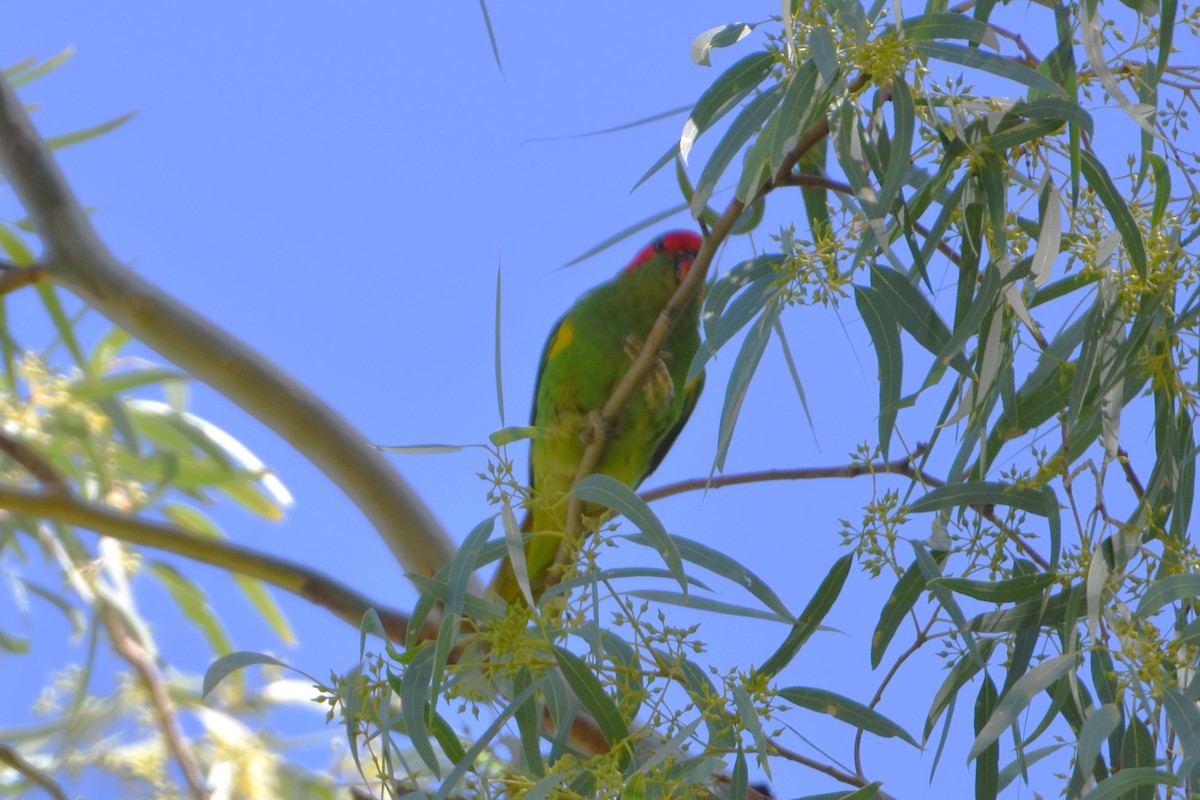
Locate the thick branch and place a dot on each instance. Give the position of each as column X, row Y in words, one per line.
column 79, row 260
column 344, row 602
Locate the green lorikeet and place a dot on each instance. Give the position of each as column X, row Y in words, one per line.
column 587, row 354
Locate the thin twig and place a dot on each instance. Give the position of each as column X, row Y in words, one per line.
column 918, row 642
column 133, row 652
column 822, row 182
column 901, row 466
column 825, row 769
column 41, row 469
column 311, row 585
column 14, row 760
column 1130, row 476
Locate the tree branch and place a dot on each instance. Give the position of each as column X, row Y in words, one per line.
column 80, row 261
column 825, row 769
column 133, row 652
column 14, row 760
column 308, row 584
column 901, row 466
column 14, row 277
column 33, row 463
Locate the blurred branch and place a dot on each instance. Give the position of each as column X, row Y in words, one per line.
column 13, row 759
column 41, row 469
column 129, row 649
column 315, row 587
column 13, row 277
column 80, row 261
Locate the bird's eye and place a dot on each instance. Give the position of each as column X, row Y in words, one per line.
column 660, row 246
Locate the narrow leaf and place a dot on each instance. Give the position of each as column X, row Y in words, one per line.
column 611, row 493
column 583, row 681
column 1029, row 686
column 846, row 710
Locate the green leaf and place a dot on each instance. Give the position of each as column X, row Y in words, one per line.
column 931, row 27
column 706, row 604
column 260, row 597
column 1138, row 753
column 1030, row 685
column 1062, row 109
column 1100, row 182
column 115, row 384
column 720, row 36
column 899, row 151
column 485, row 739
column 991, row 63
column 797, row 107
column 636, row 228
column 754, row 285
column 703, row 693
column 1100, row 722
column 1184, row 717
column 728, row 568
column 611, row 493
column 746, row 124
column 1168, row 590
column 583, row 681
column 64, row 326
column 446, row 737
column 963, row 671
column 1005, row 591
column 987, row 763
column 903, row 597
column 885, row 335
column 1116, row 786
column 846, row 710
column 744, row 367
column 931, row 569
column 1020, row 765
column 87, row 134
column 529, row 723
column 415, row 685
column 750, row 721
column 973, row 493
column 1030, row 614
column 515, row 433
column 226, row 665
column 723, row 95
column 915, row 313
column 28, row 72
column 810, row 619
column 193, row 602
column 739, row 781
column 487, row 21
column 1162, row 187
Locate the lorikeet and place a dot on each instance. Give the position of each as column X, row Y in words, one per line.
column 587, row 354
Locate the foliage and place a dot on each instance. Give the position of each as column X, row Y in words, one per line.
column 1033, row 270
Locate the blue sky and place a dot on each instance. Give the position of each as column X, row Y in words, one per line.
column 339, row 187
